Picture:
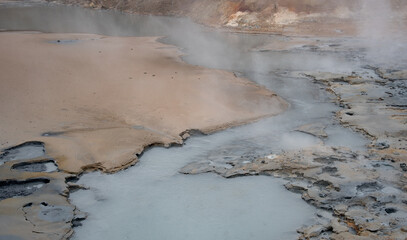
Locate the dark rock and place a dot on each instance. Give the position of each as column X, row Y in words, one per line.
column 295, row 187
column 390, row 210
column 322, row 183
column 369, row 187
column 329, row 169
column 382, row 145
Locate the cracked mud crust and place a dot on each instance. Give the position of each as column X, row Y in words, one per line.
column 107, row 98
column 34, row 204
column 362, row 195
column 96, row 104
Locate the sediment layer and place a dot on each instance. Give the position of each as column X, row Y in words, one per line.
column 81, row 102
column 97, row 102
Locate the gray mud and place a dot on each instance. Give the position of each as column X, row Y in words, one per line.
column 9, row 189
column 42, row 166
column 33, row 195
column 24, row 151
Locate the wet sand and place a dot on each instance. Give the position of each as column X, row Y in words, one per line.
column 96, row 102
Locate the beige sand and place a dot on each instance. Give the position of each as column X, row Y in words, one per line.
column 109, row 97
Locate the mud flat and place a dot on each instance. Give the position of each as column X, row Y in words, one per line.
column 91, row 102
column 123, row 92
column 360, row 190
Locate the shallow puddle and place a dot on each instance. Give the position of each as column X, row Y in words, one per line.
column 42, row 166
column 154, row 201
column 24, row 151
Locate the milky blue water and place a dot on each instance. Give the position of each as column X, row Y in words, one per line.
column 151, row 200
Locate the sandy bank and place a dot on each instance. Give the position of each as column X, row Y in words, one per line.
column 98, row 101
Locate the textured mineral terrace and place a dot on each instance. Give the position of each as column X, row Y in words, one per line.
column 361, row 194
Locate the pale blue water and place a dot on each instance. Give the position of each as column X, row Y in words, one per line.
column 151, row 200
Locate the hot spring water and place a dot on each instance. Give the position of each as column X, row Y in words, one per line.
column 152, row 200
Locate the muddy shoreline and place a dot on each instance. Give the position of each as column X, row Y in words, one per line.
column 77, row 129
column 361, row 194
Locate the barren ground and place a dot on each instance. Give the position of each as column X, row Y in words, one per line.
column 96, row 102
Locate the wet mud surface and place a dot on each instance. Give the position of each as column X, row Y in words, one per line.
column 33, row 195
column 24, row 151
column 360, row 192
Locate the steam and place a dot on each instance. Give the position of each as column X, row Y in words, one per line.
column 160, row 200
column 383, row 32
column 215, row 49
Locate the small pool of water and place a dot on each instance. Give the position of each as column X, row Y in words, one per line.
column 154, row 201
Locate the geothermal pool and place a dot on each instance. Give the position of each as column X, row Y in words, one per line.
column 152, row 200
